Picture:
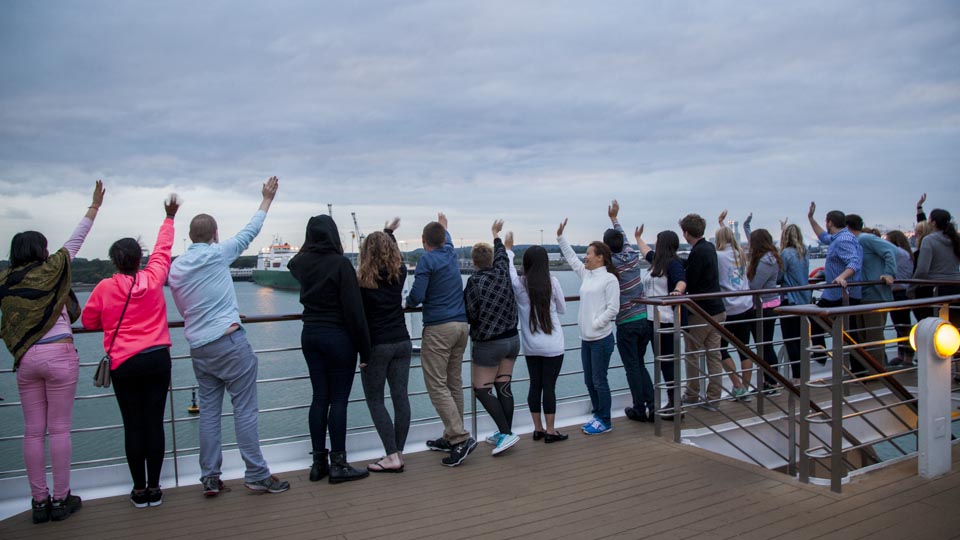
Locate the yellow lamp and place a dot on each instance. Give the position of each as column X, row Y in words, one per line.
column 946, row 339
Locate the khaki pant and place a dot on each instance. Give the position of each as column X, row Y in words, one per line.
column 873, row 330
column 698, row 339
column 441, row 355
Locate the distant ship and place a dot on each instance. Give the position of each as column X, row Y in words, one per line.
column 271, row 270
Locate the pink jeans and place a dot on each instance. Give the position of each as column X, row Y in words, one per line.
column 47, row 379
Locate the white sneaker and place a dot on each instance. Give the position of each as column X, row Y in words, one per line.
column 505, row 441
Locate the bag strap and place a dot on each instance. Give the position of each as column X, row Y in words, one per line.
column 122, row 313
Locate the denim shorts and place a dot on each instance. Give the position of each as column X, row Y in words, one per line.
column 490, row 353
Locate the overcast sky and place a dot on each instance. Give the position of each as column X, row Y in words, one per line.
column 525, row 111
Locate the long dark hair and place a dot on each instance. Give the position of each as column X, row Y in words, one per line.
column 941, row 218
column 536, row 278
column 761, row 243
column 604, row 251
column 27, row 247
column 666, row 251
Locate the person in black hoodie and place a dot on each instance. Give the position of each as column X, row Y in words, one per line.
column 382, row 274
column 334, row 332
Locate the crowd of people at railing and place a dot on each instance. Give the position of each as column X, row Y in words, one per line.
column 356, row 317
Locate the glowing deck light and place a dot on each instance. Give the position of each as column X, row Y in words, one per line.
column 946, row 339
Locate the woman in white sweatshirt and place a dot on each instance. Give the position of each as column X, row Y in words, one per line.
column 540, row 303
column 599, row 304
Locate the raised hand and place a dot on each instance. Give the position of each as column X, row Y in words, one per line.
column 613, row 209
column 269, row 189
column 638, row 232
column 923, row 199
column 723, row 218
column 442, row 220
column 813, row 210
column 98, row 192
column 783, row 223
column 508, row 240
column 171, row 205
column 497, row 227
column 561, row 228
column 393, row 224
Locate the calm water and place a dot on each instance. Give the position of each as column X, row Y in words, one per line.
column 253, row 300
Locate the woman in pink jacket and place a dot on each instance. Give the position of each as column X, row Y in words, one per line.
column 130, row 309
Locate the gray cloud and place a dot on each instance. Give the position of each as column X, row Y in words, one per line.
column 536, row 109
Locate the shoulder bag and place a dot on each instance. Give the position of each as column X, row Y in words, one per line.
column 101, row 379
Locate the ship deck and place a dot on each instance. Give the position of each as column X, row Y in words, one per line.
column 625, row 484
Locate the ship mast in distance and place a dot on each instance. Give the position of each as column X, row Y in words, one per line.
column 330, row 209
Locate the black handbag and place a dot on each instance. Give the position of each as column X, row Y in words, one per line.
column 101, row 379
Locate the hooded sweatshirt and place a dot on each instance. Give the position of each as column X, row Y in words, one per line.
column 733, row 278
column 329, row 290
column 936, row 259
column 144, row 324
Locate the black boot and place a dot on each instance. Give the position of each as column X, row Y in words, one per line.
column 320, row 467
column 341, row 471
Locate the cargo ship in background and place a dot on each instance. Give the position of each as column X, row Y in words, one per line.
column 271, row 269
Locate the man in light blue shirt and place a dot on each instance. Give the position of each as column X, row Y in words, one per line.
column 222, row 358
column 844, row 262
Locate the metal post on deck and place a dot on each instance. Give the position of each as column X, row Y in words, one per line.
column 677, row 359
column 936, row 341
column 837, row 471
column 657, row 378
column 173, row 434
column 804, row 399
column 758, row 331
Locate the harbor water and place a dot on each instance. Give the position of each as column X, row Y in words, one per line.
column 253, row 300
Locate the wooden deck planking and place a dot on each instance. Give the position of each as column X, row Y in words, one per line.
column 626, row 484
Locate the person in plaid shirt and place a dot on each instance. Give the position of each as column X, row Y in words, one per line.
column 492, row 314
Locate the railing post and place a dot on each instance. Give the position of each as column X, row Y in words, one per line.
column 173, row 434
column 792, row 435
column 657, row 378
column 836, row 409
column 845, row 358
column 473, row 403
column 677, row 360
column 758, row 327
column 804, row 399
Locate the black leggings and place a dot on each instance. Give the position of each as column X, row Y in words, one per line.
column 665, row 341
column 768, row 323
column 740, row 326
column 790, row 328
column 140, row 384
column 331, row 359
column 544, row 371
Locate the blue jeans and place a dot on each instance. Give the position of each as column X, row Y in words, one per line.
column 596, row 360
column 228, row 364
column 632, row 340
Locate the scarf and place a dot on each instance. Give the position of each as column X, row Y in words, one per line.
column 31, row 299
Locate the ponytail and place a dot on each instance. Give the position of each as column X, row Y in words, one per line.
column 941, row 218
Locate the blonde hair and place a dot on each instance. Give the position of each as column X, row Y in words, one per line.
column 923, row 228
column 379, row 253
column 724, row 238
column 482, row 255
column 791, row 237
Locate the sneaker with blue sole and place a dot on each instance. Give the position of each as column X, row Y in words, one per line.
column 597, row 427
column 584, row 427
column 506, row 440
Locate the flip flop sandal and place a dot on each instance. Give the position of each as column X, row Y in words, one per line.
column 378, row 468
